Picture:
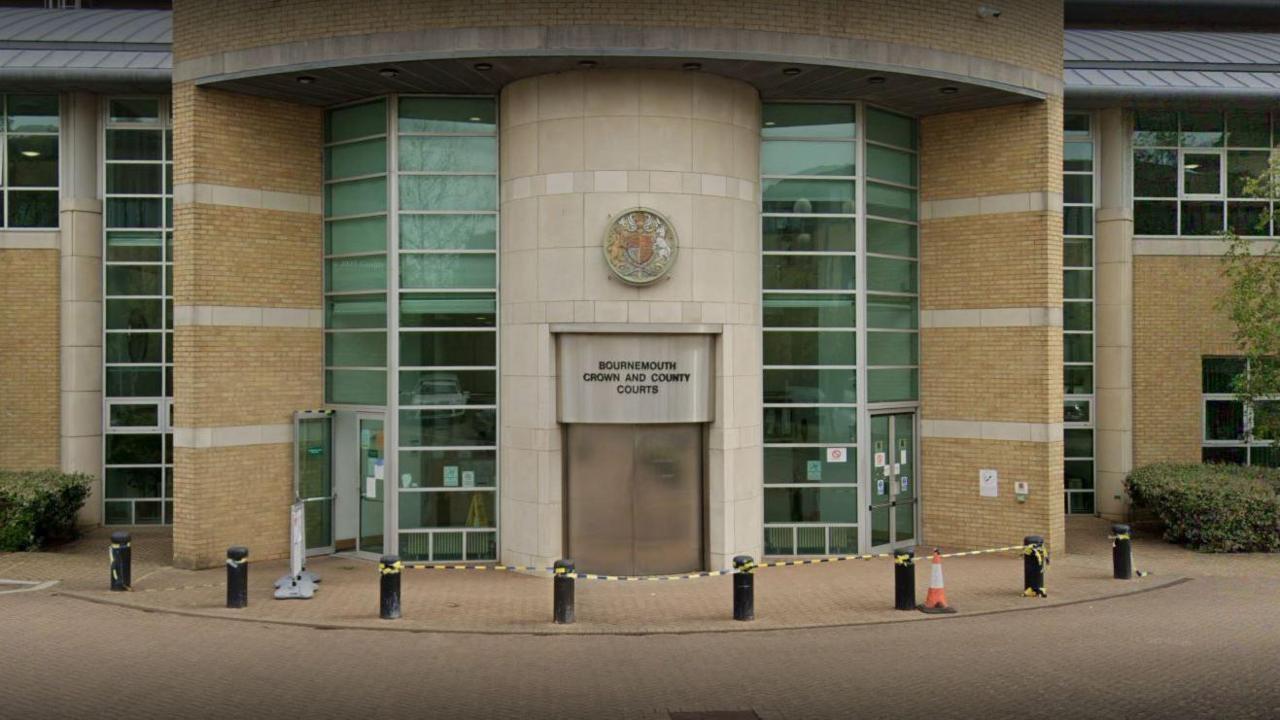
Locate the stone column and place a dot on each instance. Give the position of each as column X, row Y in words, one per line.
column 1113, row 318
column 577, row 149
column 81, row 297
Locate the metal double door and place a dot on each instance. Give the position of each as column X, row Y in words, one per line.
column 893, row 488
column 635, row 498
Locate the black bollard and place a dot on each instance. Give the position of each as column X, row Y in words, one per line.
column 389, row 568
column 1121, row 553
column 1034, row 558
column 904, row 580
column 744, row 588
column 121, row 562
column 562, row 592
column 237, row 577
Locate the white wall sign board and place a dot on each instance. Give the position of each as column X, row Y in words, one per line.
column 837, row 455
column 880, row 460
column 988, row 483
column 635, row 378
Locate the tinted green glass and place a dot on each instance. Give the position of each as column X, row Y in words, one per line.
column 1248, row 218
column 133, row 382
column 355, row 235
column 133, row 280
column 1077, row 348
column 135, row 179
column 892, row 165
column 798, row 424
column 1077, row 442
column 448, row 192
column 448, row 310
column 133, row 314
column 798, row 157
column 33, row 209
column 448, row 232
column 1201, row 128
column 145, row 415
column 1077, row 252
column 448, row 387
column 133, row 347
column 134, row 144
column 1227, row 455
column 809, row 348
column 447, row 115
column 355, row 311
column 430, row 468
column 892, row 313
column 355, row 387
column 1077, row 284
column 132, row 448
column 449, row 349
column 808, row 196
column 808, row 464
column 1217, row 374
column 449, row 509
column 434, row 428
column 367, row 157
column 133, row 482
column 891, row 238
column 1077, row 220
column 135, row 212
column 1223, row 420
column 1077, row 316
column 32, row 113
column 448, row 154
column 33, row 161
column 1242, row 166
column 1075, row 125
column 1077, row 379
column 810, row 386
column 891, row 129
column 356, row 273
column 1075, row 411
column 134, row 110
column 357, row 197
column 117, row 513
column 891, row 202
column 808, row 272
column 809, row 234
column 1080, row 503
column 892, row 348
column 891, row 275
column 1077, row 156
column 815, row 505
column 1202, row 217
column 809, row 310
column 798, row 120
column 1155, row 173
column 439, row 271
column 1152, row 217
column 356, row 121
column 1077, row 188
column 1155, row 127
column 1077, row 474
column 1248, row 128
column 892, row 385
column 355, row 349
column 1202, row 174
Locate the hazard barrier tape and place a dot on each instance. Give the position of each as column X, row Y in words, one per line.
column 1126, row 536
column 822, row 560
column 180, row 587
column 981, row 552
column 565, row 573
column 642, row 578
column 512, row 568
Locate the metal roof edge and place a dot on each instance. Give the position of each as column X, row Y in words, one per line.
column 55, row 77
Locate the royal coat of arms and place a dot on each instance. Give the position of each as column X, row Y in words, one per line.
column 640, row 246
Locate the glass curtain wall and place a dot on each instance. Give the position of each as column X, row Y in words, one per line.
column 437, row 157
column 1077, row 312
column 29, row 187
column 138, row 312
column 828, row 301
column 1229, row 421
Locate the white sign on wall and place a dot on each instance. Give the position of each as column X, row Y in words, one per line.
column 837, row 455
column 988, row 483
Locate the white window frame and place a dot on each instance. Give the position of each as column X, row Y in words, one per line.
column 1221, row 154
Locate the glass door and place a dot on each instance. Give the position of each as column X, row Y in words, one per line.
column 372, row 477
column 313, row 478
column 893, row 486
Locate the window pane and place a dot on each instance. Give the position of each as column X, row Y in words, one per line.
column 1248, row 218
column 355, row 349
column 142, row 179
column 1077, row 156
column 449, row 349
column 424, row 428
column 1217, row 374
column 891, row 129
column 33, row 209
column 809, row 386
column 135, row 212
column 1077, row 252
column 1075, row 411
column 1080, row 503
column 893, row 385
column 449, row 154
column 1247, row 128
column 1078, row 442
column 892, row 165
column 448, row 310
column 357, row 197
column 1077, row 220
column 800, row 272
column 891, row 202
column 1075, row 125
column 1155, row 218
column 356, row 121
column 356, row 387
column 133, row 382
column 1077, row 348
column 1077, row 189
column 1201, row 174
column 33, row 161
column 448, row 387
column 809, row 234
column 1077, row 474
column 809, row 348
column 146, row 415
column 1155, row 127
column 133, row 314
column 355, row 235
column 1243, row 166
column 783, row 157
column 358, row 311
column 809, row 310
column 1077, row 379
column 1223, row 420
column 808, row 196
column 134, row 144
column 809, row 424
column 448, row 232
column 134, row 246
column 445, row 468
column 894, row 313
column 890, row 275
column 1077, row 316
column 1201, row 128
column 32, row 113
column 133, row 280
column 134, row 110
column 807, row 464
column 1265, row 456
column 892, row 348
column 447, row 509
column 448, row 115
column 1155, row 173
column 451, row 192
column 132, row 448
column 1228, row 455
column 797, row 120
column 1202, row 218
column 448, row 271
column 133, row 482
column 815, row 505
column 891, row 238
column 368, row 157
column 356, row 273
column 133, row 347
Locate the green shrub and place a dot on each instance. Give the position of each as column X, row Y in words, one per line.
column 37, row 506
column 1216, row 508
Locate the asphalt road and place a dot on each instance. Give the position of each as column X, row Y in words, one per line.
column 1207, row 648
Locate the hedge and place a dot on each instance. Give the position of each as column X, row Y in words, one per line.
column 37, row 506
column 1215, row 508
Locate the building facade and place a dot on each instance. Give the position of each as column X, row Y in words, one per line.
column 646, row 284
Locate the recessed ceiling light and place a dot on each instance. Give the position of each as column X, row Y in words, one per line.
column 388, row 72
column 474, row 118
column 791, row 71
column 949, row 90
column 36, row 153
column 769, row 123
column 876, row 79
column 692, row 66
column 587, row 64
column 483, row 66
column 306, row 79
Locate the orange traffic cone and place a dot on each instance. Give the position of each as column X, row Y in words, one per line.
column 936, row 600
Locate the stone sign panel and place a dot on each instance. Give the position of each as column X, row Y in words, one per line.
column 635, row 378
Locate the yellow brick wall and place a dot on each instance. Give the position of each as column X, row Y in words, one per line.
column 29, row 376
column 1028, row 34
column 994, row 151
column 1175, row 323
column 996, row 373
column 990, row 261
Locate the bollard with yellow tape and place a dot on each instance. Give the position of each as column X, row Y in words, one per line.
column 121, row 556
column 1035, row 558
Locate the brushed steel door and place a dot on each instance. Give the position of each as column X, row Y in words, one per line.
column 635, row 498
